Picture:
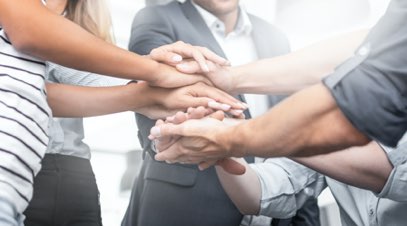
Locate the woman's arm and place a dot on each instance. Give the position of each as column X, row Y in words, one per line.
column 35, row 30
column 154, row 102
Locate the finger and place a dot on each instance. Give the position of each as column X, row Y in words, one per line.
column 204, row 101
column 161, row 55
column 219, row 115
column 170, row 154
column 191, row 67
column 197, row 113
column 166, row 130
column 157, row 123
column 232, row 166
column 221, row 97
column 206, row 164
column 211, row 56
column 180, row 117
column 237, row 113
column 200, row 58
column 219, row 106
column 187, row 50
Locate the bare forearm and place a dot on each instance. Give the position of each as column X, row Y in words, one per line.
column 298, row 126
column 365, row 167
column 35, row 30
column 300, row 69
column 244, row 190
column 77, row 101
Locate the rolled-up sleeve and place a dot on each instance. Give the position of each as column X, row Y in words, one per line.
column 371, row 87
column 286, row 186
column 396, row 185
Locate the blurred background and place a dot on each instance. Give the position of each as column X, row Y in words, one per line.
column 113, row 138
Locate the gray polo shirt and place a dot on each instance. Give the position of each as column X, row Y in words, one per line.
column 371, row 87
column 66, row 134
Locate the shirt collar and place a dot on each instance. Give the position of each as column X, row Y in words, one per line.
column 243, row 25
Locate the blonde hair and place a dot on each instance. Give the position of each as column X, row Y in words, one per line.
column 92, row 15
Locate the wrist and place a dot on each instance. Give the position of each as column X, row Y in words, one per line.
column 233, row 142
column 152, row 70
column 235, row 75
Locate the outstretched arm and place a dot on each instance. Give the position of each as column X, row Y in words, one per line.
column 284, row 74
column 365, row 167
column 154, row 102
column 298, row 126
column 35, row 30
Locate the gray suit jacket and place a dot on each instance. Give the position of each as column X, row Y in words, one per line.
column 181, row 195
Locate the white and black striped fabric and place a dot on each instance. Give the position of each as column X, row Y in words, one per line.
column 24, row 119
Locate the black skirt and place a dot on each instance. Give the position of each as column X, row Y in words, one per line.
column 65, row 194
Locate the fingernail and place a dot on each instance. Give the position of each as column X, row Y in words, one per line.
column 244, row 105
column 236, row 112
column 155, row 131
column 205, row 68
column 177, row 58
column 183, row 66
column 225, row 107
column 213, row 104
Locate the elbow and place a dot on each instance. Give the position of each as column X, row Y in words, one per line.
column 23, row 45
column 247, row 211
column 23, row 42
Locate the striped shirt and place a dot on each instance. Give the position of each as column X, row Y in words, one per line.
column 24, row 119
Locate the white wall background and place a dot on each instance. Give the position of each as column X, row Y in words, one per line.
column 304, row 21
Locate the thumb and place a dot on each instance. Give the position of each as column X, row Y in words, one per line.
column 167, row 130
column 165, row 57
column 191, row 67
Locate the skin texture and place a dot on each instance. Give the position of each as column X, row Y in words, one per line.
column 28, row 25
column 366, row 167
column 76, row 101
column 71, row 101
column 314, row 127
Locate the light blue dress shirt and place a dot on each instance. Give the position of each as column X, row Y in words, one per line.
column 286, row 186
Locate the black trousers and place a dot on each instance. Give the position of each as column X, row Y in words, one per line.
column 65, row 194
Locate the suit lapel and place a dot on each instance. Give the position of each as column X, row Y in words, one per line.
column 201, row 28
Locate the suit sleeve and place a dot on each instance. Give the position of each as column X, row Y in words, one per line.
column 150, row 29
column 371, row 88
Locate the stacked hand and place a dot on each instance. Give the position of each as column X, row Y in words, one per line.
column 195, row 71
column 192, row 138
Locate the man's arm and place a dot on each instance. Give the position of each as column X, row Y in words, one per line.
column 284, row 74
column 298, row 126
column 365, row 167
column 275, row 188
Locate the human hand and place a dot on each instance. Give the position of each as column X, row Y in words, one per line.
column 195, row 142
column 165, row 142
column 161, row 102
column 175, row 53
column 221, row 76
column 193, row 60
